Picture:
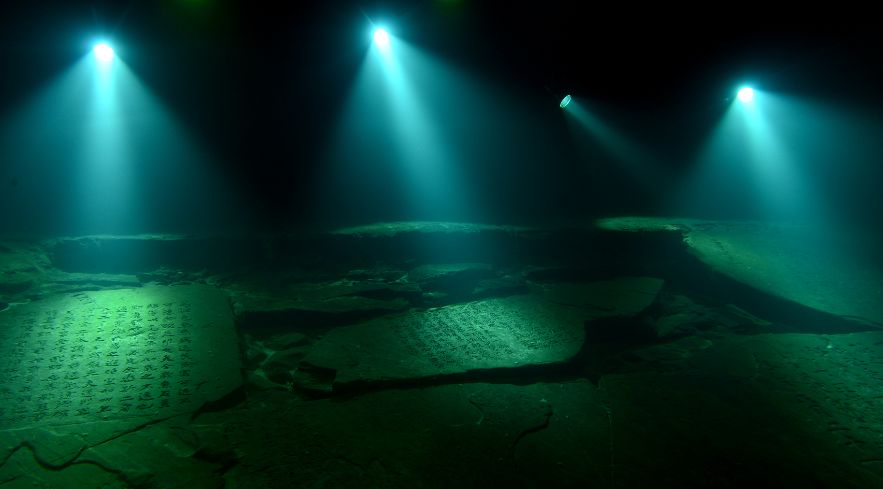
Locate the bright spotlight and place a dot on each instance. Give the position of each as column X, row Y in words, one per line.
column 565, row 101
column 103, row 52
column 381, row 38
column 746, row 95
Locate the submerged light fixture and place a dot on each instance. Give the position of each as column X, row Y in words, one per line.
column 746, row 95
column 103, row 52
column 565, row 101
column 381, row 38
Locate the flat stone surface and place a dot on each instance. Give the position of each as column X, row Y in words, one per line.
column 794, row 264
column 678, row 316
column 159, row 455
column 461, row 435
column 487, row 334
column 819, row 268
column 794, row 410
column 23, row 471
column 129, row 355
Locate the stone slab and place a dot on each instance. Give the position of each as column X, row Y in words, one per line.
column 129, row 355
column 487, row 334
column 807, row 405
column 470, row 435
column 836, row 271
column 797, row 264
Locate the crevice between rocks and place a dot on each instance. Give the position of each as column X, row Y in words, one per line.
column 547, row 417
column 523, row 375
column 231, row 399
column 74, row 459
column 119, row 474
column 480, row 411
column 605, row 402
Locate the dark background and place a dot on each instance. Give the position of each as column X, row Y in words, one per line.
column 261, row 83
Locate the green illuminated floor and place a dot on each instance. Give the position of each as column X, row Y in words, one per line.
column 638, row 353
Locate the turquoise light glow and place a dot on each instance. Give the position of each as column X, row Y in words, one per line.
column 103, row 52
column 404, row 142
column 746, row 94
column 754, row 163
column 381, row 38
column 565, row 101
column 104, row 154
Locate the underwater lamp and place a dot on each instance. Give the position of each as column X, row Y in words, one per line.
column 103, row 52
column 381, row 38
column 565, row 101
column 746, row 95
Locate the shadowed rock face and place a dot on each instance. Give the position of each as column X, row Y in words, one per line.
column 433, row 355
column 813, row 267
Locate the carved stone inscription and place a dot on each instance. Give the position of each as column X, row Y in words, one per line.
column 492, row 333
column 108, row 355
column 487, row 330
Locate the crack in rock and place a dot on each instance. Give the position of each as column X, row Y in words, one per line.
column 75, row 459
column 547, row 416
column 609, row 411
column 49, row 465
column 10, row 454
column 119, row 474
column 612, row 452
column 37, row 458
column 480, row 411
column 132, row 430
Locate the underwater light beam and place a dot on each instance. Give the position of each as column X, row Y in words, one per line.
column 396, row 121
column 109, row 156
column 632, row 158
column 753, row 165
